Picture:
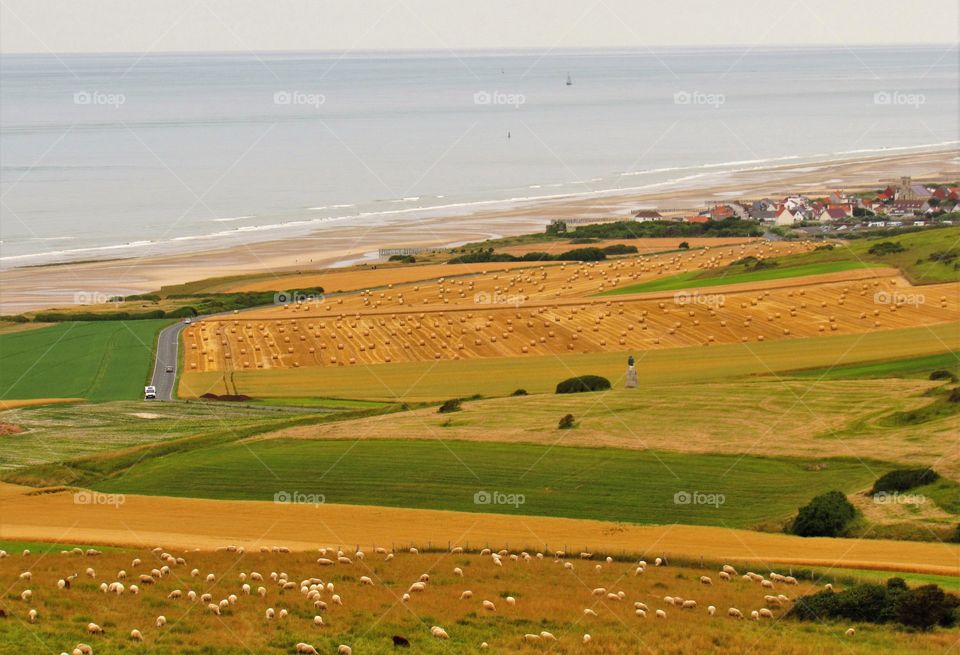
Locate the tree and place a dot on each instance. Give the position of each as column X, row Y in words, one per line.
column 826, row 515
column 924, row 607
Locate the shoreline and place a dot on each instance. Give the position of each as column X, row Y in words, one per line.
column 38, row 286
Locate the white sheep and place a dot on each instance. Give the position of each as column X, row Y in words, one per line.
column 765, row 613
column 487, row 605
column 586, row 638
column 214, row 608
column 547, row 636
column 439, row 632
column 136, row 635
column 25, row 595
column 270, row 613
column 458, row 571
column 94, row 629
column 510, row 600
column 689, row 605
column 733, row 612
column 705, row 580
column 282, row 614
column 161, row 621
column 32, row 616
column 641, row 613
column 318, row 621
column 850, row 632
column 725, row 576
column 305, row 649
column 531, row 637
column 589, row 612
column 466, row 595
column 711, row 610
column 364, row 580
column 416, row 586
column 343, row 649
column 661, row 614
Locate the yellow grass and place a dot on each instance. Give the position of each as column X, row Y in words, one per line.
column 187, row 523
column 548, row 597
column 436, row 380
column 31, row 402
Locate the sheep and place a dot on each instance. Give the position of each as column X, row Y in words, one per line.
column 83, row 649
column 661, row 614
column 364, row 580
column 214, row 608
column 269, row 613
column 487, row 605
column 586, row 638
column 850, row 632
column 282, row 614
column 26, row 575
column 90, row 573
column 689, row 605
column 94, row 629
column 711, row 610
column 466, row 595
column 136, row 635
column 305, row 649
column 416, row 586
column 755, row 615
column 766, row 584
column 641, row 613
column 318, row 621
column 211, row 577
column 135, row 563
column 658, row 562
column 62, row 584
column 510, row 600
column 161, row 621
column 639, row 570
column 458, row 571
column 405, row 598
column 134, row 589
column 343, row 649
column 725, row 576
column 531, row 637
column 32, row 616
column 25, row 595
column 729, row 570
column 568, row 566
column 147, row 579
column 194, row 573
column 828, row 587
column 175, row 594
column 790, row 580
column 589, row 612
column 765, row 613
column 641, row 606
column 335, row 599
column 599, row 591
column 245, row 589
column 262, row 592
column 548, row 636
column 439, row 632
column 733, row 612
column 484, row 645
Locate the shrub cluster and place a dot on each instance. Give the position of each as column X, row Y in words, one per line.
column 826, row 515
column 904, row 479
column 452, row 405
column 921, row 608
column 583, row 383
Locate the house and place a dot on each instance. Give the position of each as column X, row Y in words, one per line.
column 722, row 212
column 787, row 217
column 696, row 219
column 832, row 214
column 845, row 208
column 647, row 215
column 905, row 207
column 919, row 192
column 768, row 215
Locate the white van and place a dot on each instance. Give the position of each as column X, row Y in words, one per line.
column 150, row 393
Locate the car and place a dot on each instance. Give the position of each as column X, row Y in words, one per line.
column 150, row 393
column 186, row 321
column 169, row 369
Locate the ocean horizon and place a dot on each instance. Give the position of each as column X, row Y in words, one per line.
column 123, row 155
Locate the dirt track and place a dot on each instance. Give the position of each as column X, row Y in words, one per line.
column 191, row 523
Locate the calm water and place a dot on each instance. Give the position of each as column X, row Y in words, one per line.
column 109, row 155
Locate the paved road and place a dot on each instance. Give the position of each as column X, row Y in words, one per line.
column 167, row 345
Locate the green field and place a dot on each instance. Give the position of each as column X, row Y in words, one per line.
column 698, row 279
column 96, row 360
column 911, row 367
column 603, row 484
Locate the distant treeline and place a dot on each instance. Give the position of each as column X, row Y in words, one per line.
column 730, row 227
column 210, row 303
column 575, row 255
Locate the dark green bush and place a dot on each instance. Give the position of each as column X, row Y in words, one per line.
column 886, row 248
column 904, row 479
column 925, row 607
column 826, row 515
column 943, row 375
column 452, row 405
column 566, row 422
column 182, row 312
column 583, row 383
column 582, row 255
column 620, row 249
column 684, row 245
column 519, row 392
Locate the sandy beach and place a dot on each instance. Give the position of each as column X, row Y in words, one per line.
column 30, row 288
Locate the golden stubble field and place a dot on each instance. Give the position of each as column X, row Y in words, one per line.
column 285, row 338
column 268, row 601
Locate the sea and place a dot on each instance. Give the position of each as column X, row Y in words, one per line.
column 119, row 155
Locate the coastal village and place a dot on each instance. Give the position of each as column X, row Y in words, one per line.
column 903, row 204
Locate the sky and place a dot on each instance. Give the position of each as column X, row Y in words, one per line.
column 144, row 26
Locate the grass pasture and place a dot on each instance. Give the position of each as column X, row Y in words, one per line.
column 548, row 598
column 97, row 360
column 599, row 483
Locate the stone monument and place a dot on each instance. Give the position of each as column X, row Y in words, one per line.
column 631, row 374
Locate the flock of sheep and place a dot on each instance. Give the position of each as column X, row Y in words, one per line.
column 322, row 596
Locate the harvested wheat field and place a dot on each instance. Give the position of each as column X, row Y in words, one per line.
column 145, row 521
column 340, row 600
column 34, row 402
column 673, row 320
column 445, row 378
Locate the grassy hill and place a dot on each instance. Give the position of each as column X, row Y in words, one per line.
column 597, row 483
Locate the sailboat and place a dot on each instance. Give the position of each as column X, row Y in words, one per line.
column 569, row 81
